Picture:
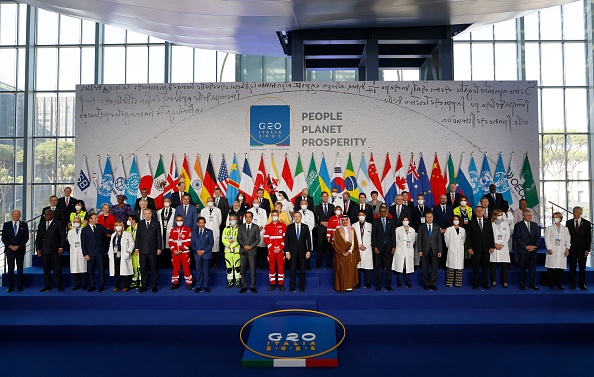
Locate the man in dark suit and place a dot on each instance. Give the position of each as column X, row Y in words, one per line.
column 66, row 203
column 526, row 236
column 223, row 204
column 580, row 231
column 495, row 199
column 144, row 196
column 430, row 248
column 349, row 207
column 49, row 244
column 297, row 250
column 442, row 214
column 15, row 235
column 93, row 248
column 248, row 237
column 188, row 212
column 480, row 243
column 419, row 212
column 202, row 243
column 383, row 242
column 59, row 213
column 304, row 196
column 363, row 206
column 399, row 210
column 177, row 197
column 142, row 205
column 264, row 203
column 148, row 241
column 452, row 196
column 322, row 213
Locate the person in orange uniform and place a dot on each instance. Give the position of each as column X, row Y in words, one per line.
column 274, row 238
column 180, row 238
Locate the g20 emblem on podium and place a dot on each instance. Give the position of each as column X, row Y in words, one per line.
column 292, row 338
column 269, row 123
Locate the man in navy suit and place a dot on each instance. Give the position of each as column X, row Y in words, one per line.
column 349, row 207
column 304, row 196
column 15, row 235
column 580, row 231
column 383, row 242
column 297, row 250
column 442, row 214
column 248, row 237
column 188, row 211
column 147, row 247
column 527, row 235
column 480, row 243
column 150, row 202
column 430, row 248
column 66, row 203
column 419, row 212
column 495, row 199
column 363, row 206
column 202, row 243
column 399, row 210
column 49, row 244
column 93, row 248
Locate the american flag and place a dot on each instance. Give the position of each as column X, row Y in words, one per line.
column 223, row 178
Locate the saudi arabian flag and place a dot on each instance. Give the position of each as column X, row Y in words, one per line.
column 530, row 192
column 313, row 184
column 350, row 181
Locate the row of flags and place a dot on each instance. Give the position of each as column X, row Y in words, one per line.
column 97, row 187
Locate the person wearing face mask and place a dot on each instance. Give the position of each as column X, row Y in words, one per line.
column 78, row 263
column 282, row 215
column 237, row 211
column 501, row 235
column 307, row 218
column 260, row 219
column 333, row 223
column 304, row 196
column 79, row 211
column 122, row 210
column 179, row 241
column 363, row 231
column 132, row 224
column 287, row 205
column 558, row 243
column 404, row 256
column 274, row 238
column 166, row 218
column 455, row 239
column 232, row 257
column 214, row 219
column 93, row 248
column 419, row 212
column 443, row 215
column 464, row 211
column 121, row 248
column 323, row 212
column 334, row 199
column 243, row 204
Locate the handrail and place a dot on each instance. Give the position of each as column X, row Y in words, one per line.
column 558, row 206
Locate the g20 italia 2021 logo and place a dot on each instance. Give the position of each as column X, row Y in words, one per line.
column 269, row 123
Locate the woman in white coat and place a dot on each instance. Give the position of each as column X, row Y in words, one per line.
column 558, row 243
column 121, row 247
column 455, row 237
column 404, row 256
column 363, row 231
column 501, row 235
column 78, row 263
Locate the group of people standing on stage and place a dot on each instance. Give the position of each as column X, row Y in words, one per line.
column 356, row 239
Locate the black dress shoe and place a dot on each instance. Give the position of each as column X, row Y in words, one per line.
column 301, row 289
column 20, row 289
column 45, row 289
column 254, row 290
column 291, row 289
column 101, row 289
column 75, row 288
column 61, row 289
column 399, row 284
column 426, row 288
column 207, row 290
column 281, row 287
column 485, row 287
column 378, row 288
column 433, row 288
column 560, row 287
column 141, row 289
column 389, row 288
column 199, row 289
column 9, row 290
column 553, row 286
column 155, row 290
column 583, row 288
column 173, row 286
column 243, row 290
column 272, row 287
column 534, row 288
column 572, row 287
column 475, row 287
column 367, row 286
column 408, row 285
column 308, row 268
column 91, row 289
column 522, row 288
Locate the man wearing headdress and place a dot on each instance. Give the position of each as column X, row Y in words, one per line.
column 346, row 256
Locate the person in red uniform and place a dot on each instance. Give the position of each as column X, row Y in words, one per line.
column 180, row 238
column 274, row 238
column 333, row 223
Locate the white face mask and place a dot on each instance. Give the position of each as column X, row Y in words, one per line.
column 499, row 218
column 240, row 197
column 405, row 223
column 166, row 204
column 118, row 228
column 420, row 201
column 232, row 222
column 274, row 218
column 256, row 205
column 338, row 212
column 210, row 204
column 304, row 206
column 463, row 203
column 76, row 225
column 456, row 222
column 179, row 223
column 557, row 220
column 129, row 223
column 334, row 194
column 78, row 208
column 362, row 219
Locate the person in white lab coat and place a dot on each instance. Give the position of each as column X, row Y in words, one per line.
column 455, row 238
column 308, row 218
column 166, row 219
column 78, row 263
column 121, row 247
column 406, row 249
column 363, row 231
column 214, row 218
column 558, row 243
column 500, row 255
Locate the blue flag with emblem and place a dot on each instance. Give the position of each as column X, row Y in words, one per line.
column 106, row 185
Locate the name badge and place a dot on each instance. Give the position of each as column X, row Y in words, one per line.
column 499, row 237
column 557, row 242
column 179, row 243
column 255, row 220
column 408, row 243
column 77, row 244
column 210, row 218
column 465, row 221
column 423, row 220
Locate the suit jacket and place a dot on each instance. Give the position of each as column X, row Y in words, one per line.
column 265, row 204
column 176, row 200
column 320, row 216
column 404, row 212
column 580, row 240
column 50, row 240
column 20, row 239
column 310, row 202
column 59, row 215
column 67, row 209
column 297, row 247
column 456, row 202
column 442, row 218
column 150, row 203
column 417, row 214
column 368, row 214
column 148, row 241
column 191, row 218
column 93, row 243
column 224, row 207
column 433, row 243
column 477, row 240
column 252, row 239
column 378, row 236
column 138, row 212
column 351, row 211
column 494, row 204
column 206, row 242
column 523, row 238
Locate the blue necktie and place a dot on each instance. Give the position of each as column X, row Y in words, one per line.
column 15, row 228
column 430, row 230
column 384, row 223
column 298, row 232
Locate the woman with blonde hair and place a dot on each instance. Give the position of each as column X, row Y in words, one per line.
column 121, row 247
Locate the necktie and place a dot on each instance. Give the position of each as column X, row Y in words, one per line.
column 384, row 223
column 47, row 224
column 148, row 223
column 528, row 226
column 398, row 212
column 201, row 232
column 577, row 225
column 53, row 209
column 217, row 202
column 181, row 196
column 248, row 228
column 453, row 196
column 443, row 209
column 346, row 206
column 298, row 231
column 93, row 229
column 430, row 230
column 77, row 231
column 481, row 224
column 325, row 209
column 256, row 211
column 185, row 210
column 66, row 201
column 15, row 228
